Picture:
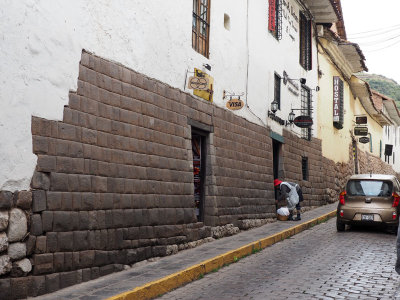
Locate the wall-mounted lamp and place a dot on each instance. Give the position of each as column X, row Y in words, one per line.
column 207, row 66
column 316, row 89
column 274, row 106
column 291, row 117
column 286, row 78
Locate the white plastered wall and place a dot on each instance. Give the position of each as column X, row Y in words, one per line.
column 41, row 43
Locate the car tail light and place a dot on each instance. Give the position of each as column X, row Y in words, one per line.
column 394, row 215
column 341, row 197
column 341, row 213
column 396, row 199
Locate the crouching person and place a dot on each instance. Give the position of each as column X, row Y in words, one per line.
column 292, row 194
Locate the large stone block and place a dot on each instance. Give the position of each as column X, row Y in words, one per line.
column 3, row 220
column 43, row 259
column 81, row 241
column 68, row 279
column 5, row 264
column 62, row 221
column 65, row 241
column 39, row 200
column 20, row 287
column 58, row 261
column 3, row 241
column 24, row 199
column 40, row 181
column 36, row 225
column 38, row 286
column 41, row 244
column 52, row 282
column 5, row 288
column 30, row 244
column 18, row 225
column 21, row 268
column 6, row 199
column 86, row 258
column 16, row 251
column 47, row 221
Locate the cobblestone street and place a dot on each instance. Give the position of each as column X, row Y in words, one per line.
column 316, row 264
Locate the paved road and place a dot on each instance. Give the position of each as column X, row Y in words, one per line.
column 316, row 264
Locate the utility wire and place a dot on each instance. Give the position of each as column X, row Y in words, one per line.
column 375, row 30
column 375, row 34
column 374, row 43
column 383, row 48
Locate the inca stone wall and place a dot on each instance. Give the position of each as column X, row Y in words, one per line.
column 314, row 189
column 243, row 170
column 114, row 181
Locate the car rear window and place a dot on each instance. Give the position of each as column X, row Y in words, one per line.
column 374, row 188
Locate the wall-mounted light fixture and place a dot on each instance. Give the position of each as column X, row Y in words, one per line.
column 274, row 106
column 207, row 66
column 286, row 78
column 316, row 89
column 305, row 121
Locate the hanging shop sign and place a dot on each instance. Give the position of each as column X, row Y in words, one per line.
column 198, row 83
column 303, row 121
column 337, row 99
column 364, row 139
column 235, row 104
column 361, row 120
column 272, row 15
column 360, row 131
column 207, row 92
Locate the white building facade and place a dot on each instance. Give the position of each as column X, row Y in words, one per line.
column 42, row 42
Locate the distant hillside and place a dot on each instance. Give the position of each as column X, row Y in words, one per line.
column 383, row 85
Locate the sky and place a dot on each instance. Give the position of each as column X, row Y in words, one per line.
column 375, row 26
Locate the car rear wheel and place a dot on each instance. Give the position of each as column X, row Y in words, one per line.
column 393, row 229
column 340, row 226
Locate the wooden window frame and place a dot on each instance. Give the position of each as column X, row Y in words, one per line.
column 305, row 33
column 201, row 26
column 306, row 110
column 277, row 89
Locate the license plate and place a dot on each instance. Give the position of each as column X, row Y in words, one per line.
column 367, row 217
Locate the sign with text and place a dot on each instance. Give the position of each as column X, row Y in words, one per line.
column 303, row 121
column 272, row 15
column 336, row 98
column 234, row 104
column 360, row 131
column 364, row 139
column 361, row 120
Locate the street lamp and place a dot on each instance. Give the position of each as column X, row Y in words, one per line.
column 291, row 117
column 274, row 106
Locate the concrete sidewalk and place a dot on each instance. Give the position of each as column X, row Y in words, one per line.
column 150, row 279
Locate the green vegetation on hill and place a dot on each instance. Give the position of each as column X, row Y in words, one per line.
column 383, row 85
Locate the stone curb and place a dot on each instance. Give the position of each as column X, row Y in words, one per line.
column 168, row 283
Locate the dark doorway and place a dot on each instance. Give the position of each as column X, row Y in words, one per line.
column 199, row 139
column 276, row 148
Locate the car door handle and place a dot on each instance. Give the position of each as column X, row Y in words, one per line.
column 368, row 200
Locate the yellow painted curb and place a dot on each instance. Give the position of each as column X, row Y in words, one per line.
column 168, row 283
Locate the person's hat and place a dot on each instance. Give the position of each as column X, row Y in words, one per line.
column 277, row 182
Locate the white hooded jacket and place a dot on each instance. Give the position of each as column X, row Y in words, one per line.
column 292, row 197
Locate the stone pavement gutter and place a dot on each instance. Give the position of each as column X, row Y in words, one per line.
column 168, row 283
